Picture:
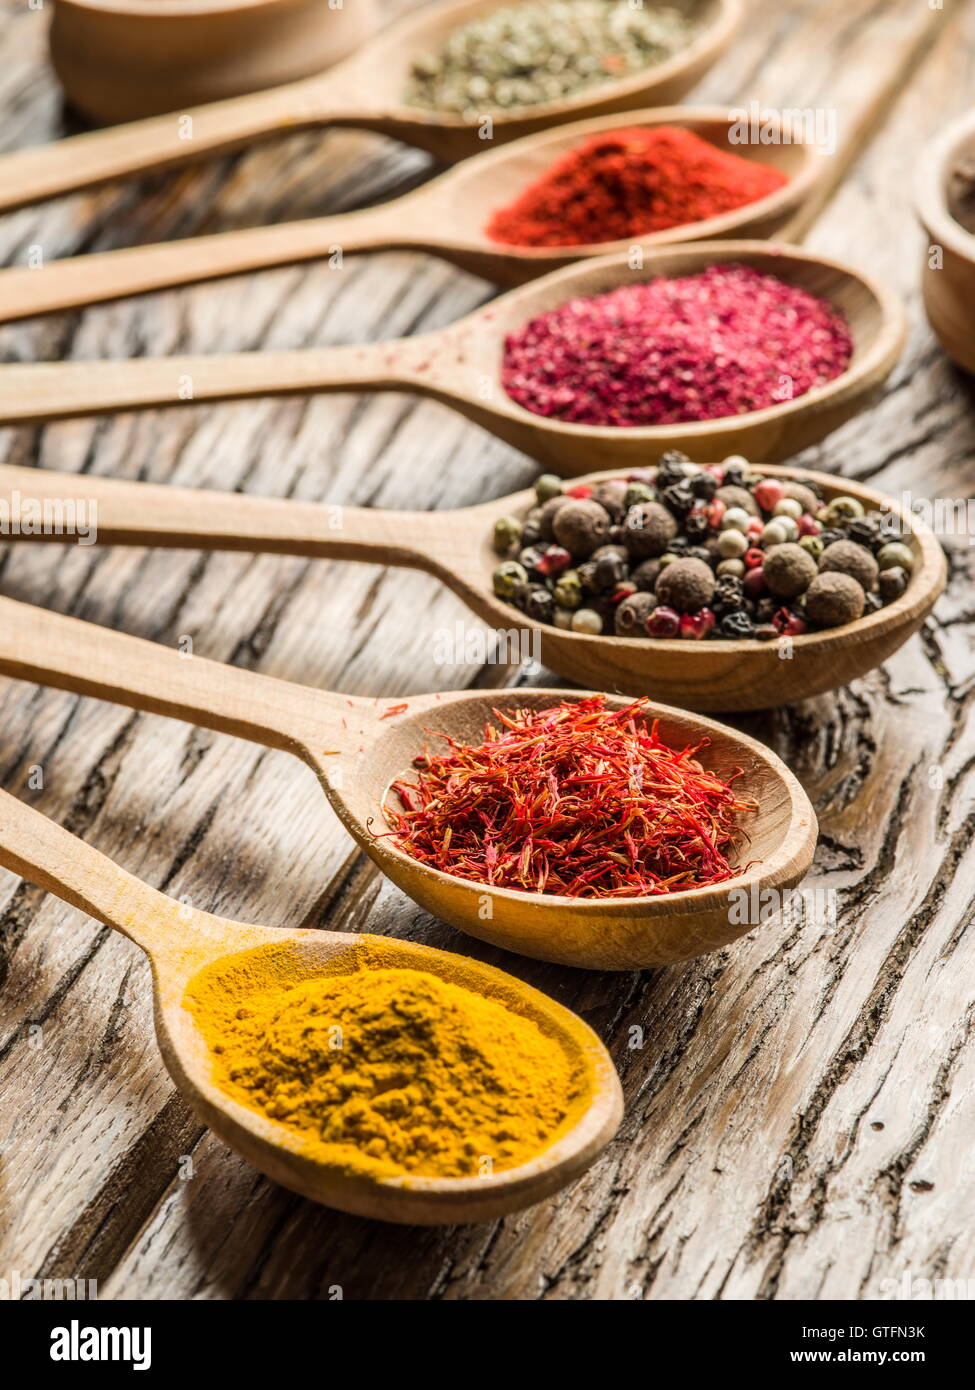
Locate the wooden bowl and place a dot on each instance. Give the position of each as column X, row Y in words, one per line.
column 716, row 675
column 948, row 288
column 120, row 60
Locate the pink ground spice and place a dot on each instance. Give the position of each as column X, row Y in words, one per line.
column 664, row 352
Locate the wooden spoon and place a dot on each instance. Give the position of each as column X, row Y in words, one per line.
column 456, row 547
column 364, row 91
column 180, row 943
column 446, row 217
column 356, row 753
column 460, row 366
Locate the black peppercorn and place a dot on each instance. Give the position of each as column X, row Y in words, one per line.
column 696, row 524
column 531, row 534
column 704, row 486
column 728, row 594
column 699, row 552
column 765, row 610
column 678, row 497
column 539, row 604
column 737, row 625
column 610, row 571
column 865, row 530
column 587, row 577
column 679, row 546
column 530, row 557
column 831, row 534
column 734, row 475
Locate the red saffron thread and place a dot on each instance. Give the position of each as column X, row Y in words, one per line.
column 631, row 183
column 393, row 710
column 576, row 800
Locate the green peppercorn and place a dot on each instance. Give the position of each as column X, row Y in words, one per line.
column 568, row 590
column 639, row 492
column 509, row 581
column 507, row 534
column 895, row 555
column 842, row 509
column 813, row 545
column 547, row 486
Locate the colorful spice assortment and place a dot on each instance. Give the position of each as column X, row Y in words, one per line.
column 669, row 351
column 692, row 551
column 577, row 800
column 544, row 50
column 629, row 183
column 384, row 1071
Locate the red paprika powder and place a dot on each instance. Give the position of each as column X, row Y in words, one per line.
column 629, row 183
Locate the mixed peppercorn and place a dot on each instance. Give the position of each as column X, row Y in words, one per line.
column 698, row 551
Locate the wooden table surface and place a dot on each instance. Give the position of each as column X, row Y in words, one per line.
column 799, row 1108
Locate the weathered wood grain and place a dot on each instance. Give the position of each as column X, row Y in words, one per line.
column 800, row 1110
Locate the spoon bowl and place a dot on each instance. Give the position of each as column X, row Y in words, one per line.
column 456, row 547
column 358, row 747
column 446, row 217
column 363, row 91
column 182, row 945
column 460, row 366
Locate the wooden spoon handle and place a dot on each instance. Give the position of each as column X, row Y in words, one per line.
column 43, row 853
column 81, row 280
column 42, row 391
column 161, row 142
column 37, row 645
column 122, row 513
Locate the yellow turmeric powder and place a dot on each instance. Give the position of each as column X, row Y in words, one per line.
column 384, row 1070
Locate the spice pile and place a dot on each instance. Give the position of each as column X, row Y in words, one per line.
column 630, row 183
column 692, row 551
column 576, row 800
column 383, row 1070
column 544, row 50
column 669, row 351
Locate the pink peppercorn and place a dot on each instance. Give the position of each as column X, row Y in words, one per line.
column 753, row 558
column 787, row 623
column 768, row 493
column 663, row 622
column 716, row 511
column 581, row 490
column 808, row 525
column 672, row 351
column 694, row 626
column 754, row 582
column 554, row 560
